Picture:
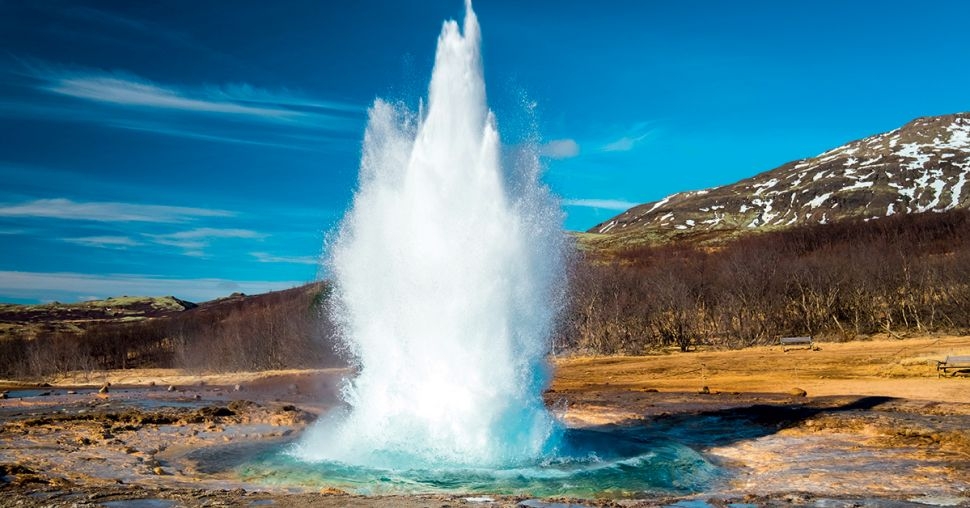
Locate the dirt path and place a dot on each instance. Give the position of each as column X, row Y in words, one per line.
column 891, row 368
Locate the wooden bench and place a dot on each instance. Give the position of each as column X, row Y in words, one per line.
column 954, row 363
column 790, row 342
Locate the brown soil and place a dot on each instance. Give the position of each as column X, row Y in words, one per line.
column 875, row 423
column 889, row 367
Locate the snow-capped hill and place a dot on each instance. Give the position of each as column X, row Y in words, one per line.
column 922, row 166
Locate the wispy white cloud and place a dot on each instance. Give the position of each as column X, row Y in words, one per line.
column 624, row 144
column 205, row 233
column 107, row 211
column 154, row 127
column 132, row 91
column 246, row 93
column 233, row 112
column 560, row 149
column 114, row 242
column 53, row 285
column 264, row 257
column 629, row 140
column 194, row 241
column 236, row 99
column 602, row 204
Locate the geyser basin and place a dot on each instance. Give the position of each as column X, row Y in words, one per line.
column 589, row 464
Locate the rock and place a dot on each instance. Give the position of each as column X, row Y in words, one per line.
column 171, row 388
column 210, row 412
column 158, row 470
column 705, row 390
column 239, row 406
column 104, row 388
column 651, row 390
column 3, row 395
column 151, row 383
column 71, row 392
column 237, row 388
column 797, row 392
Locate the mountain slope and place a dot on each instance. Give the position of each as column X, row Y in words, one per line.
column 922, row 166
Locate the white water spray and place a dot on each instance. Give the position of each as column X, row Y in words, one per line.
column 447, row 272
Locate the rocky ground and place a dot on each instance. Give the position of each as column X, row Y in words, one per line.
column 862, row 423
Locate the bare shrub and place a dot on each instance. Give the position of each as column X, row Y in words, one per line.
column 896, row 275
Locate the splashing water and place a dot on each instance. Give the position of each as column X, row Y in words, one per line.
column 448, row 272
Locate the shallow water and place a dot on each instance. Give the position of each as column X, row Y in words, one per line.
column 42, row 392
column 589, row 464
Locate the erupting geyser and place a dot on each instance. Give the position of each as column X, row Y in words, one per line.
column 448, row 272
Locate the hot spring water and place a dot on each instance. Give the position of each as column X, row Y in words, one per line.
column 448, row 273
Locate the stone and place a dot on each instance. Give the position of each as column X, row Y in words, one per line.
column 104, row 388
column 797, row 392
column 705, row 390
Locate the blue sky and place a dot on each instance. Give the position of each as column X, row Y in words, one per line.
column 202, row 148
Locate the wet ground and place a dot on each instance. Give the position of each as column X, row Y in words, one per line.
column 163, row 448
column 192, row 445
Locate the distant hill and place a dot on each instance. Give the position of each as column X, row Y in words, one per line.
column 922, row 166
column 29, row 321
column 280, row 329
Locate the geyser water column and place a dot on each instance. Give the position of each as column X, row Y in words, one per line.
column 448, row 271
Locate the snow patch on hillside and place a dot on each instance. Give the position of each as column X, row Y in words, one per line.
column 817, row 202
